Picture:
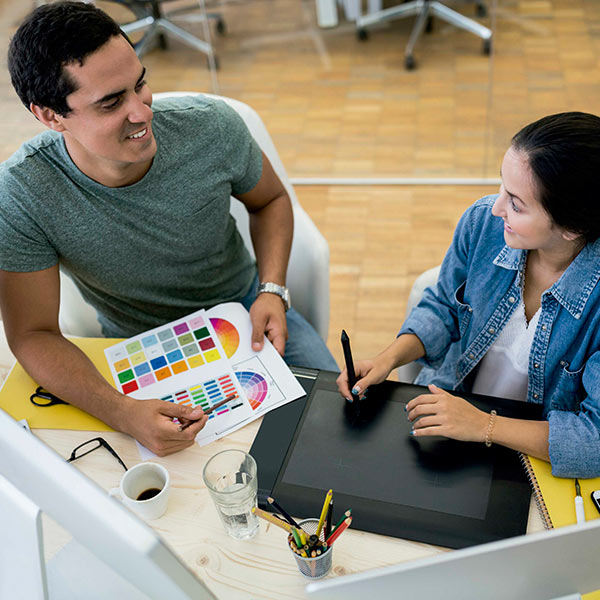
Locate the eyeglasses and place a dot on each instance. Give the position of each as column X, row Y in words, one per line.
column 92, row 445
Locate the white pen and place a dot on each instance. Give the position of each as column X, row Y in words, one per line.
column 579, row 512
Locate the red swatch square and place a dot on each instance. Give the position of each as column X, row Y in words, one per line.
column 206, row 344
column 129, row 387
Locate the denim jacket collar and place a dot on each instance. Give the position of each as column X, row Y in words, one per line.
column 575, row 285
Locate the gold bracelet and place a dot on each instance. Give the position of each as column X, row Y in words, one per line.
column 490, row 428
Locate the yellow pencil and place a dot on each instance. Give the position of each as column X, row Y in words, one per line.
column 263, row 514
column 324, row 512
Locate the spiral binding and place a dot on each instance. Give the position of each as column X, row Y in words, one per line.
column 537, row 492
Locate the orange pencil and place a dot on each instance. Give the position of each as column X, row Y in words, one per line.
column 263, row 514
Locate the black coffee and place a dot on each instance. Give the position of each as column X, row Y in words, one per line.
column 149, row 493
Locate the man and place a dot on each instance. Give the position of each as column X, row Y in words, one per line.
column 134, row 204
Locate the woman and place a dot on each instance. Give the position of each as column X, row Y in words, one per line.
column 516, row 310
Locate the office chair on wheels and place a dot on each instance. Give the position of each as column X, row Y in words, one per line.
column 150, row 19
column 424, row 10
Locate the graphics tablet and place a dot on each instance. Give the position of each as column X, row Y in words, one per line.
column 433, row 490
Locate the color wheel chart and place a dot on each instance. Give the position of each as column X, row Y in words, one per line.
column 228, row 335
column 207, row 394
column 255, row 387
column 161, row 353
column 257, row 384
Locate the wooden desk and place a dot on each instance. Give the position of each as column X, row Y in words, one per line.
column 261, row 568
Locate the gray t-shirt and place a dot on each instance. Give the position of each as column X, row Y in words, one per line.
column 150, row 252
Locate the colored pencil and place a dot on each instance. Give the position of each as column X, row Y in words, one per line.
column 328, row 519
column 211, row 409
column 338, row 531
column 263, row 514
column 297, row 538
column 347, row 514
column 282, row 512
column 324, row 511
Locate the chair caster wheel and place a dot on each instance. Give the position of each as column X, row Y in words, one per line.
column 221, row 28
column 362, row 34
column 409, row 62
column 487, row 46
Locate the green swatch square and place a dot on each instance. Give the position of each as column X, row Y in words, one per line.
column 133, row 347
column 201, row 333
column 126, row 376
column 186, row 338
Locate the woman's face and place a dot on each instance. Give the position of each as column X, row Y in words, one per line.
column 527, row 225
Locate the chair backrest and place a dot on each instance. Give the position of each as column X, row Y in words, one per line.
column 308, row 269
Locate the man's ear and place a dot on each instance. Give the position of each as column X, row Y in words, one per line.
column 47, row 116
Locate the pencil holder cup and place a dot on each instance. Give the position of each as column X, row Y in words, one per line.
column 319, row 566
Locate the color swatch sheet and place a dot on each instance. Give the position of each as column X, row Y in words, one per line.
column 189, row 361
column 265, row 378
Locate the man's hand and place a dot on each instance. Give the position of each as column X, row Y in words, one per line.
column 267, row 315
column 441, row 413
column 151, row 423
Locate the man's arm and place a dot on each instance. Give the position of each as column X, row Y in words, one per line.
column 271, row 228
column 29, row 303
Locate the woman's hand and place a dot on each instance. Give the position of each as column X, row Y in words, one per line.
column 441, row 413
column 367, row 372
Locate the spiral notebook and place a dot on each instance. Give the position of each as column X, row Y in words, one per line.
column 555, row 495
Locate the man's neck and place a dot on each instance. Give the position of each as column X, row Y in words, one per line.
column 105, row 172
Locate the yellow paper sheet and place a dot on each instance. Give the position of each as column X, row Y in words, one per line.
column 14, row 395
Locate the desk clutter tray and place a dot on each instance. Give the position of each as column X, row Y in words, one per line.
column 433, row 490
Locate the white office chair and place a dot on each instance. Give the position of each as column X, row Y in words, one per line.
column 408, row 373
column 308, row 270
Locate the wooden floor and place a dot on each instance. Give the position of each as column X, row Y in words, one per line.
column 339, row 107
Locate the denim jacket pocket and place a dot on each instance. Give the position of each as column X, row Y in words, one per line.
column 463, row 310
column 569, row 392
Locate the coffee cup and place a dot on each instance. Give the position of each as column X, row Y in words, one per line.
column 145, row 489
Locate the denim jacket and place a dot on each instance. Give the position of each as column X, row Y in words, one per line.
column 479, row 287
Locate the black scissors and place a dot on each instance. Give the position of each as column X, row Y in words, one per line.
column 47, row 399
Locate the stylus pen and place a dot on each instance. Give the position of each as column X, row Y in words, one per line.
column 211, row 409
column 579, row 512
column 349, row 364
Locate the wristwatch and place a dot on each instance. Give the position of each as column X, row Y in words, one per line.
column 272, row 288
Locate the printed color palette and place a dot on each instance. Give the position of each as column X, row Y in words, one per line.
column 255, row 387
column 207, row 394
column 163, row 353
column 228, row 335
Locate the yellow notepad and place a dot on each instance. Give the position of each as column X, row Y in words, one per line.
column 555, row 498
column 14, row 395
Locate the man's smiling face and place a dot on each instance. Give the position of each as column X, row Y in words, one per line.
column 109, row 129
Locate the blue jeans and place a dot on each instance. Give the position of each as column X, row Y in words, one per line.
column 304, row 347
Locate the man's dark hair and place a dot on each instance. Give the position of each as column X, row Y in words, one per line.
column 50, row 38
column 563, row 151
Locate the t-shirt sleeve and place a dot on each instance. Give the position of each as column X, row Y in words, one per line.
column 23, row 245
column 242, row 154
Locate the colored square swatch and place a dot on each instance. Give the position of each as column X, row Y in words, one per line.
column 149, row 340
column 174, row 356
column 138, row 358
column 206, row 344
column 186, row 338
column 130, row 387
column 133, row 347
column 196, row 361
column 153, row 352
column 201, row 333
column 212, row 355
column 170, row 345
column 190, row 350
column 181, row 328
column 146, row 380
column 126, row 376
column 162, row 373
column 158, row 363
column 142, row 369
column 179, row 367
column 196, row 322
column 164, row 334
column 122, row 365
